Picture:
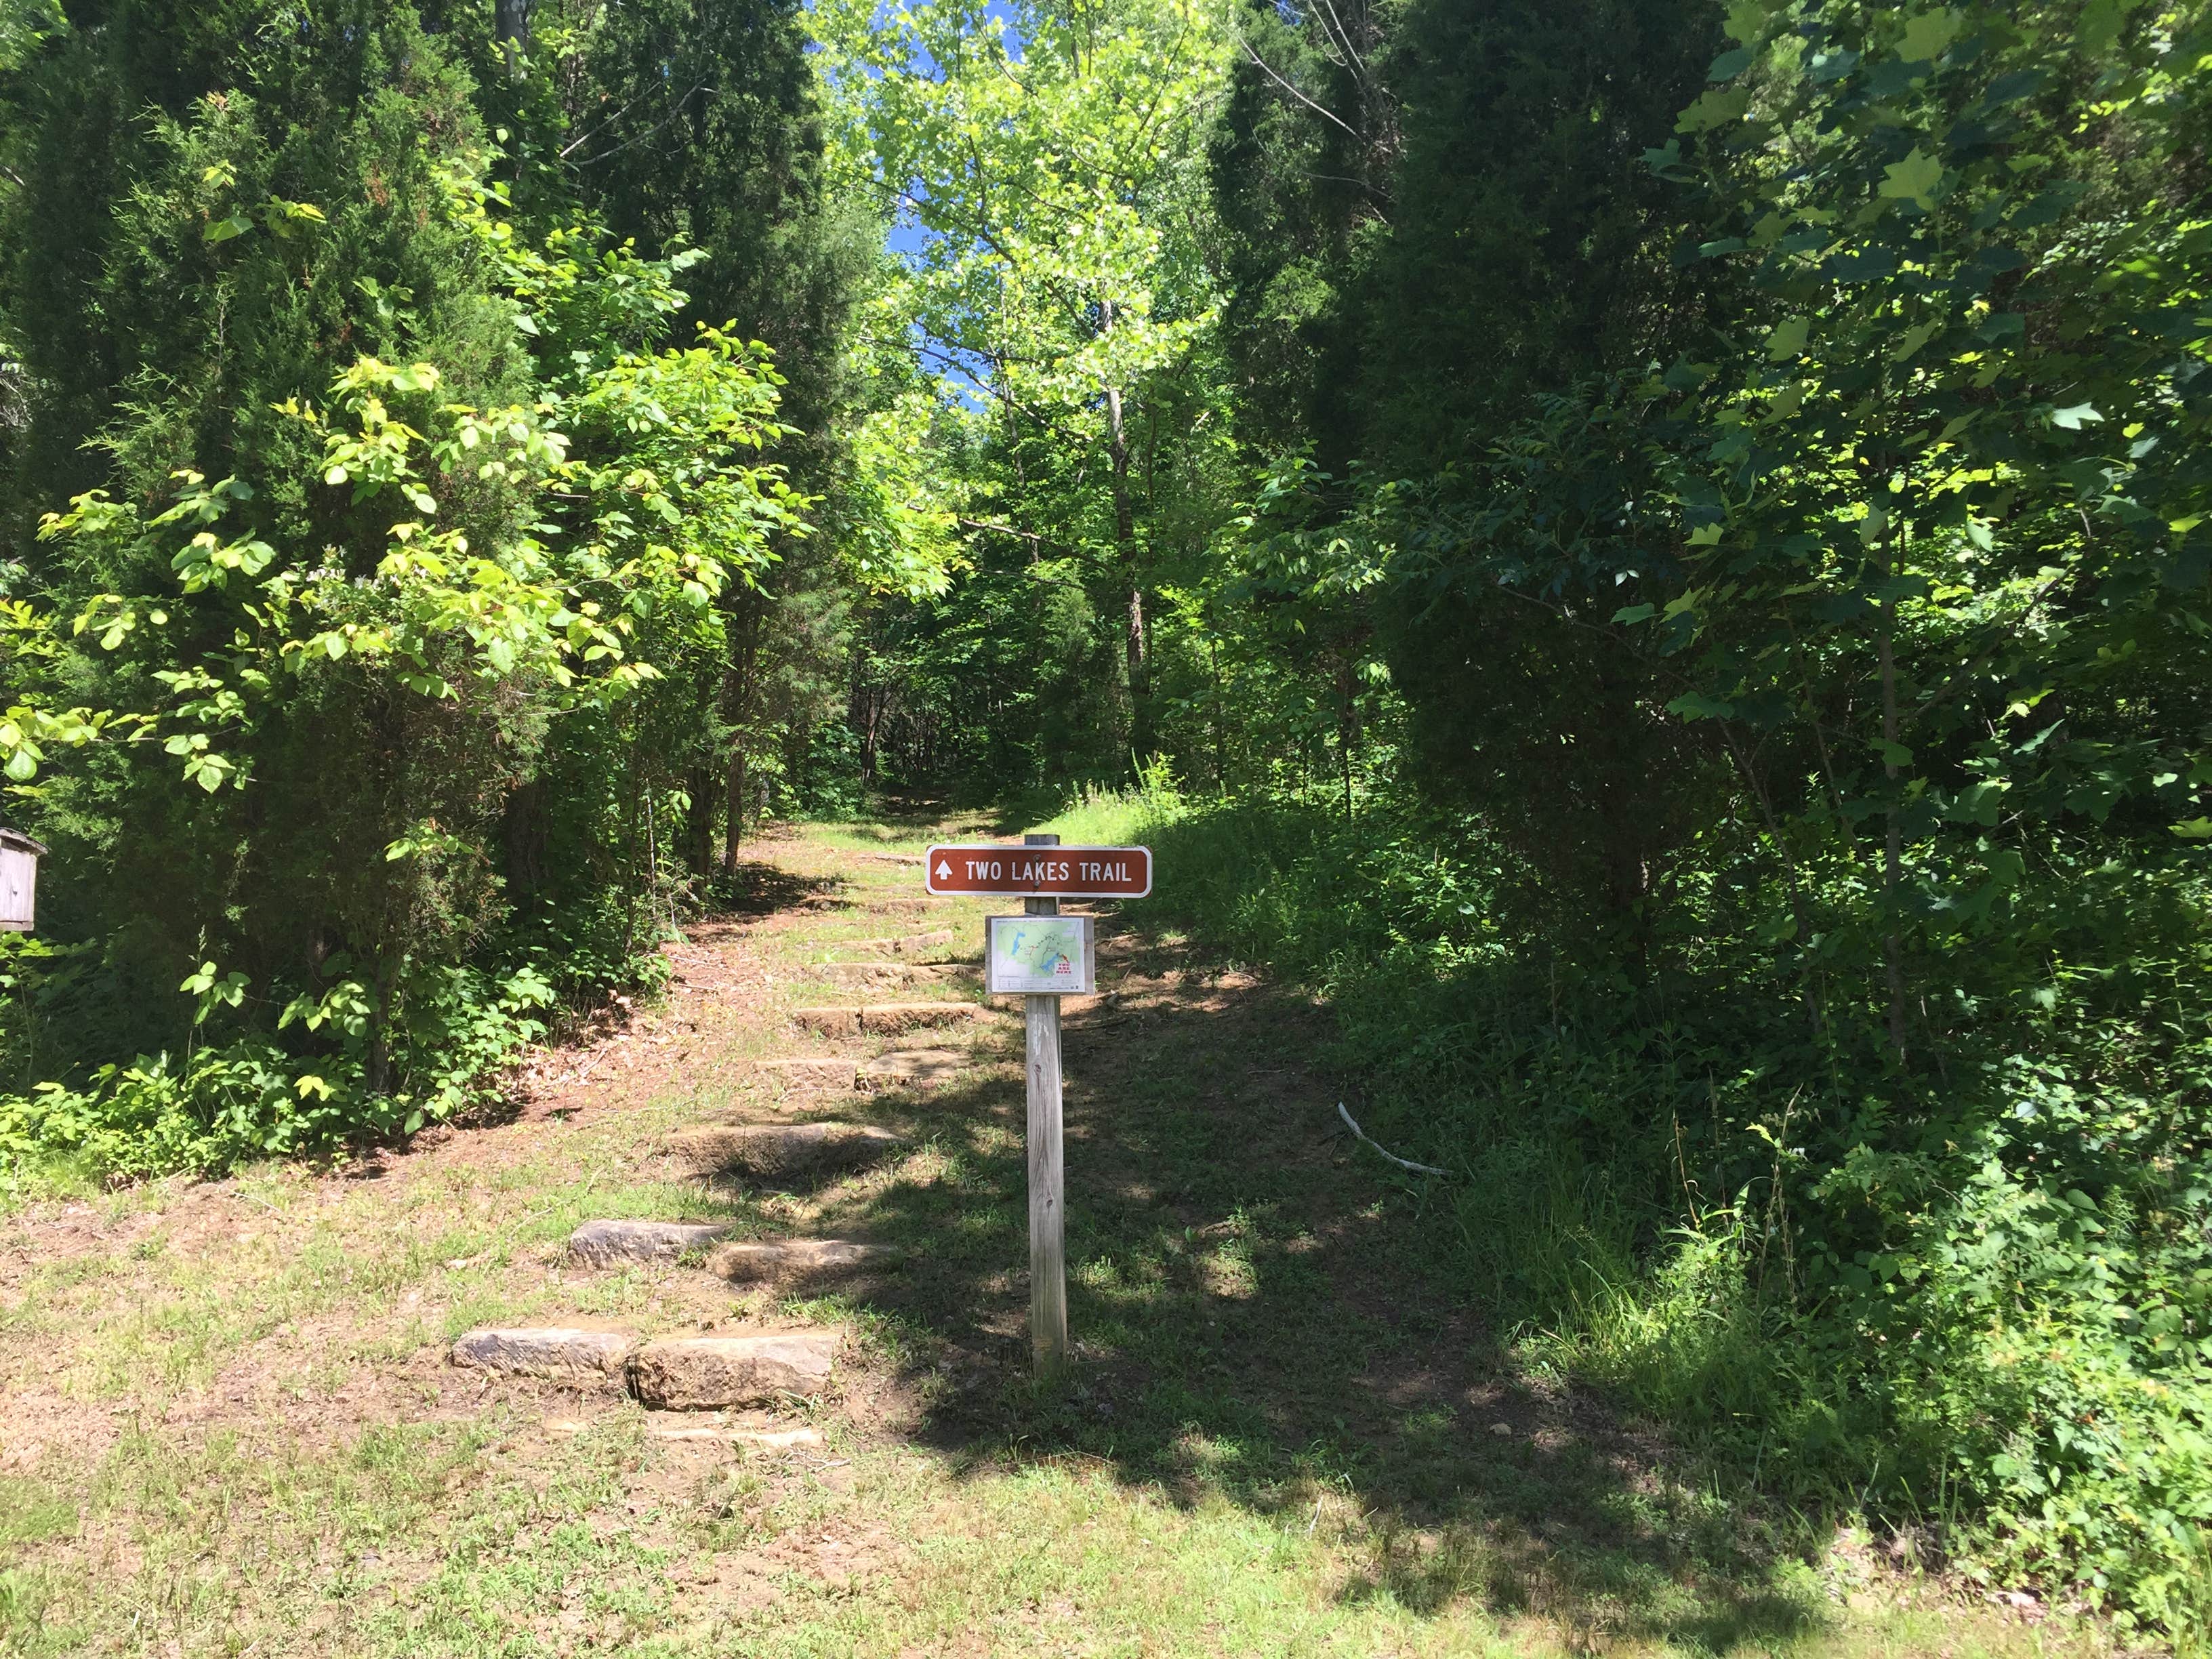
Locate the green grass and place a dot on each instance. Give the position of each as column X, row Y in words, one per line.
column 1277, row 1439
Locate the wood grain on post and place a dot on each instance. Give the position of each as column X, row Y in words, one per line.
column 1048, row 1205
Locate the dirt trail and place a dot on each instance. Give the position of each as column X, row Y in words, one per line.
column 227, row 1418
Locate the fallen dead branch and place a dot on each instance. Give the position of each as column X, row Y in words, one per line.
column 1402, row 1163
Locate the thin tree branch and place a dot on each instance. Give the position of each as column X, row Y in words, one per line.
column 651, row 131
column 1402, row 1163
column 1260, row 63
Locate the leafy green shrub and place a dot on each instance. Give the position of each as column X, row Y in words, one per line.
column 1987, row 1312
column 214, row 1106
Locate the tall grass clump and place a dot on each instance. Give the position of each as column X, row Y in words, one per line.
column 1975, row 1313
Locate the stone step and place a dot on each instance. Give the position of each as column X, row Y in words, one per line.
column 875, row 1018
column 812, row 1070
column 895, row 1068
column 750, row 1260
column 856, row 904
column 906, row 944
column 761, row 1439
column 784, row 1151
column 923, row 1066
column 603, row 1244
column 900, row 973
column 543, row 1351
column 714, row 1373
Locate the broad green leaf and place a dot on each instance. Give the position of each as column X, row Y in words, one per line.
column 1716, row 108
column 1912, row 339
column 1747, row 21
column 1697, row 706
column 1914, row 180
column 1927, row 35
column 1787, row 339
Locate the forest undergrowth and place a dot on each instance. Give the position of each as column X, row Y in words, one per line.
column 1667, row 1191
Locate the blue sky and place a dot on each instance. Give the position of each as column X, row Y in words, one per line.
column 907, row 239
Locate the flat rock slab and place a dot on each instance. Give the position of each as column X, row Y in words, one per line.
column 866, row 975
column 712, row 1373
column 812, row 1070
column 885, row 1018
column 908, row 944
column 544, row 1351
column 603, row 1244
column 876, row 974
column 922, row 1066
column 763, row 1439
column 785, row 1151
column 744, row 1261
column 882, row 1019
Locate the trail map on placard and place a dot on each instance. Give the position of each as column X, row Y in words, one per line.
column 1037, row 954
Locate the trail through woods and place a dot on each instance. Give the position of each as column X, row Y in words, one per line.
column 232, row 1422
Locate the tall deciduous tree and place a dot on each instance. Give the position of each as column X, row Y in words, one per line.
column 1050, row 162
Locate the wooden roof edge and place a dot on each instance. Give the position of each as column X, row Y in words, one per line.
column 21, row 842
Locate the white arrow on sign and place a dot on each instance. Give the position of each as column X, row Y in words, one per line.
column 944, row 869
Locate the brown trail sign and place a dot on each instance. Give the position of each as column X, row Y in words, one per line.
column 1040, row 871
column 1043, row 872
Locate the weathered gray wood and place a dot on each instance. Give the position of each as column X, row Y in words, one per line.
column 19, row 881
column 1046, row 1171
column 909, row 944
column 872, row 975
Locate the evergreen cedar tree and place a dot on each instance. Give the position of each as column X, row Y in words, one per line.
column 221, row 209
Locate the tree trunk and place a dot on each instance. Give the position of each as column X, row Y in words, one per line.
column 1220, row 718
column 527, row 835
column 378, row 1061
column 511, row 27
column 735, row 828
column 1893, row 834
column 1347, row 727
column 740, row 689
column 699, row 820
column 1125, row 540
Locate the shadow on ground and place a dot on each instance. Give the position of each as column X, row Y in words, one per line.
column 1259, row 1314
column 754, row 889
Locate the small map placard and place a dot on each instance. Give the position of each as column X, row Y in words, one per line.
column 1039, row 956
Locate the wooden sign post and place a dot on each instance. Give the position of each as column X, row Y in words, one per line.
column 1048, row 1170
column 1040, row 964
